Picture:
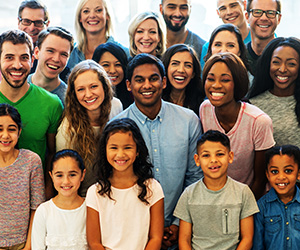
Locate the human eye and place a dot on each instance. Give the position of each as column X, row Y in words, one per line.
column 189, row 65
column 217, row 44
column 220, row 154
column 292, row 64
column 210, row 79
column 58, row 175
column 153, row 31
column 25, row 58
column 233, row 5
column 257, row 12
column 274, row 171
column 271, row 13
column 85, row 11
column 154, row 78
column 205, row 155
column 222, row 8
column 94, row 86
column 118, row 65
column 288, row 170
column 276, row 62
column 171, row 7
column 139, row 80
column 139, row 31
column 184, row 7
column 8, row 57
column 231, row 45
column 226, row 80
column 174, row 63
column 12, row 129
column 104, row 65
column 79, row 89
column 50, row 50
column 99, row 10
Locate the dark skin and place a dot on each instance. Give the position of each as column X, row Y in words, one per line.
column 170, row 236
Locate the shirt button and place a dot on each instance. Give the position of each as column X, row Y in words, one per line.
column 287, row 238
column 153, row 130
column 155, row 150
column 287, row 223
column 271, row 220
column 285, row 207
column 156, row 169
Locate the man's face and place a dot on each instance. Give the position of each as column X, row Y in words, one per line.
column 15, row 64
column 52, row 56
column 176, row 13
column 263, row 27
column 147, row 85
column 32, row 29
column 231, row 11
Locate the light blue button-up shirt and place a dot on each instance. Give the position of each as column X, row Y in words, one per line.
column 277, row 225
column 171, row 139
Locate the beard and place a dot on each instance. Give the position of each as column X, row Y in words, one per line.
column 15, row 86
column 176, row 27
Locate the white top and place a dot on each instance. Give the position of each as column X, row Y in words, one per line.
column 124, row 221
column 59, row 229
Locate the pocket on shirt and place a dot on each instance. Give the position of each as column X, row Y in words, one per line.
column 230, row 220
column 273, row 224
column 297, row 221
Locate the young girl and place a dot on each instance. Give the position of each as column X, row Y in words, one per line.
column 248, row 128
column 60, row 222
column 21, row 183
column 277, row 224
column 125, row 208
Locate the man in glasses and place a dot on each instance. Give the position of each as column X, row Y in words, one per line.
column 32, row 18
column 263, row 17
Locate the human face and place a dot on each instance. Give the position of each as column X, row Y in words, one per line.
column 181, row 70
column 9, row 134
column 219, row 85
column 52, row 56
column 147, row 85
column 282, row 174
column 213, row 157
column 67, row 176
column 176, row 13
column 121, row 152
column 263, row 27
column 15, row 64
column 113, row 67
column 33, row 15
column 231, row 11
column 93, row 16
column 146, row 37
column 89, row 91
column 284, row 70
column 225, row 41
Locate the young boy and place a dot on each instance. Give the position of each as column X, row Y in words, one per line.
column 216, row 212
column 277, row 225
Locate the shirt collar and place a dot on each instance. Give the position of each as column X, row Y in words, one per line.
column 273, row 196
column 143, row 118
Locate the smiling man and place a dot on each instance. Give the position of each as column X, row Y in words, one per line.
column 53, row 49
column 176, row 14
column 170, row 133
column 263, row 17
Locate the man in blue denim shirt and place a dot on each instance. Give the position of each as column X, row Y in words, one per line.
column 170, row 133
column 277, row 225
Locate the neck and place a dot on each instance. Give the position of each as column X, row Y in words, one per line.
column 284, row 92
column 215, row 184
column 244, row 29
column 8, row 158
column 123, row 180
column 70, row 202
column 93, row 41
column 177, row 96
column 94, row 117
column 175, row 37
column 258, row 44
column 13, row 94
column 42, row 81
column 152, row 111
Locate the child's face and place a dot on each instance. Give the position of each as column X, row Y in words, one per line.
column 282, row 174
column 67, row 176
column 121, row 152
column 9, row 134
column 213, row 157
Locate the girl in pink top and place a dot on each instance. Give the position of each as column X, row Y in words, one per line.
column 249, row 129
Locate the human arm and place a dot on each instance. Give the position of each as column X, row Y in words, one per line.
column 93, row 233
column 28, row 240
column 246, row 233
column 185, row 235
column 260, row 179
column 156, row 226
column 38, row 233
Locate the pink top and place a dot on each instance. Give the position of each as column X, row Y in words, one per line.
column 252, row 132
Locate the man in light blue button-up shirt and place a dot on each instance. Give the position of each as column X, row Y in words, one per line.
column 170, row 133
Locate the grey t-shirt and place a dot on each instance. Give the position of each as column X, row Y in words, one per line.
column 195, row 41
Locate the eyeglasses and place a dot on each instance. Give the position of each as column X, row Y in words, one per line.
column 269, row 13
column 37, row 23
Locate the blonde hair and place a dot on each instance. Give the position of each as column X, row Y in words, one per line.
column 80, row 31
column 80, row 131
column 137, row 20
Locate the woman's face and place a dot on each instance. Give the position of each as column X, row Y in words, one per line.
column 146, row 37
column 93, row 16
column 89, row 90
column 225, row 41
column 284, row 68
column 9, row 134
column 113, row 67
column 180, row 70
column 219, row 85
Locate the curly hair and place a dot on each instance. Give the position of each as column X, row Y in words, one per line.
column 142, row 166
column 194, row 95
column 263, row 81
column 80, row 131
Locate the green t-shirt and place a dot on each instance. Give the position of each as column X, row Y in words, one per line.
column 40, row 114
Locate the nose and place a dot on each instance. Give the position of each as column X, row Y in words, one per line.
column 17, row 64
column 56, row 57
column 216, row 84
column 180, row 67
column 112, row 69
column 88, row 92
column 223, row 49
column 4, row 134
column 264, row 16
column 177, row 12
column 147, row 84
column 120, row 152
column 66, row 180
column 282, row 68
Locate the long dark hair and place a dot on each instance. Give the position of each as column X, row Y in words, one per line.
column 142, row 166
column 263, row 81
column 194, row 95
column 120, row 90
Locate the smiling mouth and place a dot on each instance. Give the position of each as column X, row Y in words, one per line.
column 5, row 143
column 282, row 78
column 281, row 184
column 90, row 101
column 147, row 94
column 179, row 79
column 231, row 18
column 66, row 188
column 52, row 67
column 93, row 22
column 264, row 26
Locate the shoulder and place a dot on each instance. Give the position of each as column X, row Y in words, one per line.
column 44, row 95
column 195, row 38
column 255, row 112
column 178, row 112
column 30, row 157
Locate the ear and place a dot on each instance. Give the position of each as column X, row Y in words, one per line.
column 247, row 16
column 128, row 84
column 267, row 174
column 164, row 82
column 47, row 24
column 197, row 161
column 245, row 4
column 83, row 175
column 231, row 157
column 218, row 13
column 36, row 52
column 279, row 18
column 20, row 130
column 51, row 175
column 161, row 9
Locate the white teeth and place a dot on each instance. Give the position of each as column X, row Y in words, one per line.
column 147, row 93
column 282, row 184
column 93, row 23
column 282, row 78
column 176, row 19
column 179, row 78
column 113, row 78
column 52, row 66
column 121, row 162
column 65, row 188
column 263, row 26
column 232, row 18
column 146, row 44
column 217, row 94
column 5, row 142
column 90, row 101
column 16, row 73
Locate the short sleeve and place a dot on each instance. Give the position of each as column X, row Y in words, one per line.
column 39, row 231
column 61, row 140
column 156, row 190
column 182, row 209
column 249, row 206
column 92, row 197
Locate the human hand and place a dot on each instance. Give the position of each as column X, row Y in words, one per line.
column 170, row 236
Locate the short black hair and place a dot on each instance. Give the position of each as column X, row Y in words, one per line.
column 214, row 136
column 142, row 59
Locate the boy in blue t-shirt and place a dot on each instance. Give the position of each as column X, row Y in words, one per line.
column 277, row 225
column 216, row 212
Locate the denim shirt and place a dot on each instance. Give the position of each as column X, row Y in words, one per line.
column 171, row 139
column 277, row 225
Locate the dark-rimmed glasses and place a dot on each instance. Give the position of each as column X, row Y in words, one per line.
column 269, row 13
column 28, row 22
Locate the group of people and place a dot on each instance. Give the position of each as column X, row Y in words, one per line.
column 168, row 143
